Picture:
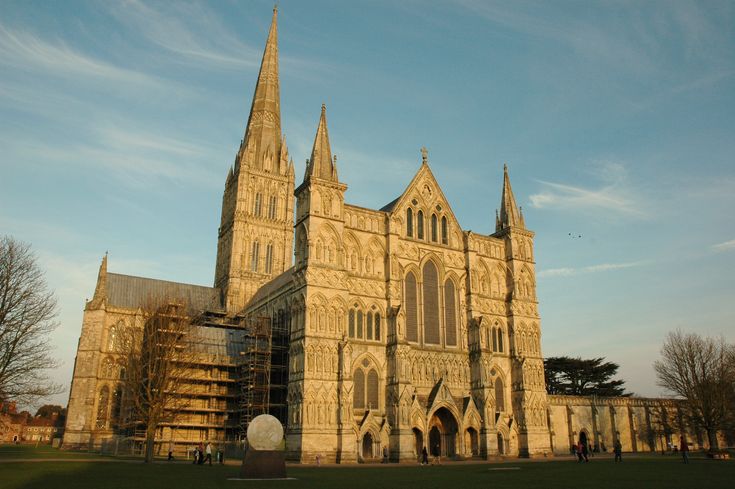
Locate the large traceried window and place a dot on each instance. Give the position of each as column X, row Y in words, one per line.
column 434, row 232
column 412, row 320
column 254, row 256
column 450, row 313
column 431, row 304
column 269, row 258
column 409, row 222
column 420, row 225
column 366, row 390
column 445, row 232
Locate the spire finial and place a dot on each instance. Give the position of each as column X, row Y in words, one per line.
column 424, row 155
column 324, row 108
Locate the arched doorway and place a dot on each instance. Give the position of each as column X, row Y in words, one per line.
column 583, row 438
column 367, row 446
column 501, row 444
column 472, row 443
column 443, row 433
column 419, row 439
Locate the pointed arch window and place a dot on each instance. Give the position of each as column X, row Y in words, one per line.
column 359, row 324
column 434, row 230
column 269, row 258
column 445, row 238
column 376, row 318
column 272, row 206
column 409, row 222
column 116, row 411
column 372, row 389
column 113, row 336
column 254, row 257
column 369, row 326
column 351, row 323
column 258, row 205
column 431, row 304
column 358, row 396
column 499, row 396
column 450, row 313
column 420, row 225
column 410, row 299
column 103, row 402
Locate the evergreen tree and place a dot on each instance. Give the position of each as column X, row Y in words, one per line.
column 582, row 377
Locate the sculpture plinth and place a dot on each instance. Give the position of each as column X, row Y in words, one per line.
column 263, row 464
column 263, row 458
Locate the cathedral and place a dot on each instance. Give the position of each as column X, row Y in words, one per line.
column 404, row 331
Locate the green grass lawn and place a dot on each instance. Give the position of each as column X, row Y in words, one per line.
column 600, row 473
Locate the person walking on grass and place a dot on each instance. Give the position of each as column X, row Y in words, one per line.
column 209, row 453
column 618, row 450
column 578, row 450
column 684, row 450
column 424, row 456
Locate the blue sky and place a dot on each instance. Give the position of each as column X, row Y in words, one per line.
column 119, row 121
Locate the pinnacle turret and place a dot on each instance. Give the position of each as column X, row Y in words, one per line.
column 510, row 216
column 321, row 165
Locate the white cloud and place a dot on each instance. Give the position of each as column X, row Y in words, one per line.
column 191, row 31
column 726, row 246
column 615, row 195
column 26, row 51
column 603, row 267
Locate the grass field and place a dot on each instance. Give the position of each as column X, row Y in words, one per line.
column 601, row 473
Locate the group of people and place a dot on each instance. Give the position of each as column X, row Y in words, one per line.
column 204, row 454
column 581, row 450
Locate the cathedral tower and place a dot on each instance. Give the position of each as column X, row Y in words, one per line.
column 528, row 389
column 255, row 241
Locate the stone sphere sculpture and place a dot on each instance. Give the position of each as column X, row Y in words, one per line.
column 265, row 432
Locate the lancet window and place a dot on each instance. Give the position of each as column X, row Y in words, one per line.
column 269, row 258
column 420, row 225
column 445, row 238
column 438, row 322
column 258, row 204
column 434, row 231
column 254, row 256
column 363, row 326
column 409, row 222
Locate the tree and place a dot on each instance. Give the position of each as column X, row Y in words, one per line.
column 48, row 410
column 578, row 377
column 27, row 313
column 700, row 370
column 156, row 353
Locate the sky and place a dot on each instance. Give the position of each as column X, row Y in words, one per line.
column 120, row 119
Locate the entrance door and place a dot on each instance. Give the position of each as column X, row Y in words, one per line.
column 435, row 442
column 419, row 439
column 367, row 446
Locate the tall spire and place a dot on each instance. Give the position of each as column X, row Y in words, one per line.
column 321, row 164
column 509, row 213
column 261, row 146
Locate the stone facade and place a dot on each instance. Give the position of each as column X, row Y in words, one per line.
column 406, row 331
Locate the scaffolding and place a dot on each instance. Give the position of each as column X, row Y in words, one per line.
column 255, row 373
column 264, row 371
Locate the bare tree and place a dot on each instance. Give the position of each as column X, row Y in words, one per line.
column 157, row 354
column 701, row 370
column 27, row 313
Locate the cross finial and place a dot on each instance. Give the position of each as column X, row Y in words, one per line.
column 424, row 154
